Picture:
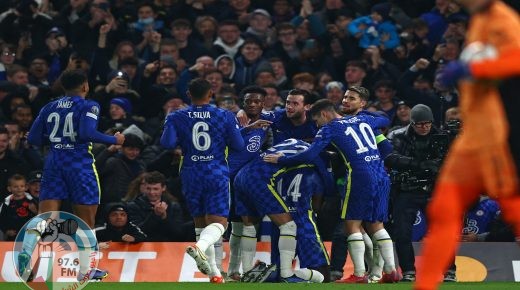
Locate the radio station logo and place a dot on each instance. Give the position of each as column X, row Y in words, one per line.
column 56, row 250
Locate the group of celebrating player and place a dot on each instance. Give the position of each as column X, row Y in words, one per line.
column 281, row 181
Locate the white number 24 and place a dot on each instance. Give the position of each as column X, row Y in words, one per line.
column 68, row 127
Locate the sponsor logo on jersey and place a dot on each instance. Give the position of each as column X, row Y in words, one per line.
column 372, row 158
column 202, row 158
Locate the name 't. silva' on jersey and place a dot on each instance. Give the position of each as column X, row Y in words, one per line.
column 199, row 115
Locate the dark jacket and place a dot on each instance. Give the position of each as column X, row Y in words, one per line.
column 109, row 233
column 415, row 161
column 158, row 230
column 116, row 173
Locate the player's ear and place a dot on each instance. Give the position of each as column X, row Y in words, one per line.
column 307, row 107
column 188, row 94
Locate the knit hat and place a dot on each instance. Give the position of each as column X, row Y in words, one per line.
column 382, row 9
column 124, row 103
column 133, row 141
column 421, row 113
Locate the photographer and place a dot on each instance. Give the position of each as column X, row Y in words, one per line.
column 415, row 162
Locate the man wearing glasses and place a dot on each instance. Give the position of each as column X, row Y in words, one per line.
column 414, row 163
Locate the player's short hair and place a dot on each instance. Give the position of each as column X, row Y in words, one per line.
column 199, row 88
column 308, row 98
column 16, row 177
column 253, row 90
column 322, row 105
column 71, row 80
column 155, row 177
column 363, row 92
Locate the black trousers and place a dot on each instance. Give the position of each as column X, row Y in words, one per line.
column 405, row 207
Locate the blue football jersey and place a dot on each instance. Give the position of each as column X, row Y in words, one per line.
column 203, row 133
column 283, row 128
column 479, row 218
column 253, row 142
column 68, row 124
column 297, row 187
column 355, row 140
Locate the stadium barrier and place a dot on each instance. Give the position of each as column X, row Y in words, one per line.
column 168, row 262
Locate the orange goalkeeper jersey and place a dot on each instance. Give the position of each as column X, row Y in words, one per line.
column 483, row 103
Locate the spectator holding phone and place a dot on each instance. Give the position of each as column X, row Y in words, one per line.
column 117, row 87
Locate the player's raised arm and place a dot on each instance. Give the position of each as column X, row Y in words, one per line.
column 321, row 141
column 88, row 127
column 169, row 135
column 234, row 140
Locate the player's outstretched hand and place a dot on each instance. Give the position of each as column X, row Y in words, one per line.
column 259, row 124
column 120, row 138
column 452, row 73
column 272, row 158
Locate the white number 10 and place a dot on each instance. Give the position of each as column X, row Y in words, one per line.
column 368, row 135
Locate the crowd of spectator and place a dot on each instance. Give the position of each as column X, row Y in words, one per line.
column 141, row 55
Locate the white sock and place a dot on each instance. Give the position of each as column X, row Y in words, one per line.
column 356, row 247
column 32, row 236
column 86, row 249
column 84, row 259
column 210, row 254
column 376, row 268
column 219, row 253
column 248, row 247
column 235, row 251
column 210, row 235
column 309, row 275
column 386, row 248
column 287, row 248
column 369, row 250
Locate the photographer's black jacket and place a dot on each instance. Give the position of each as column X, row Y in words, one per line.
column 411, row 149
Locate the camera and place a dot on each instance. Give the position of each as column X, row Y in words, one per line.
column 441, row 142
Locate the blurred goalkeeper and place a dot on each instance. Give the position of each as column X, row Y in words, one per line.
column 486, row 156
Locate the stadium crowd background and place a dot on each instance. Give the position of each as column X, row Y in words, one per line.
column 140, row 56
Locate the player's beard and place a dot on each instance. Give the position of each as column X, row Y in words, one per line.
column 296, row 116
column 349, row 111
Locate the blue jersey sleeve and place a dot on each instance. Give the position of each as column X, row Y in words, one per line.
column 321, row 140
column 375, row 120
column 169, row 135
column 327, row 180
column 88, row 126
column 384, row 145
column 273, row 116
column 35, row 136
column 235, row 141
